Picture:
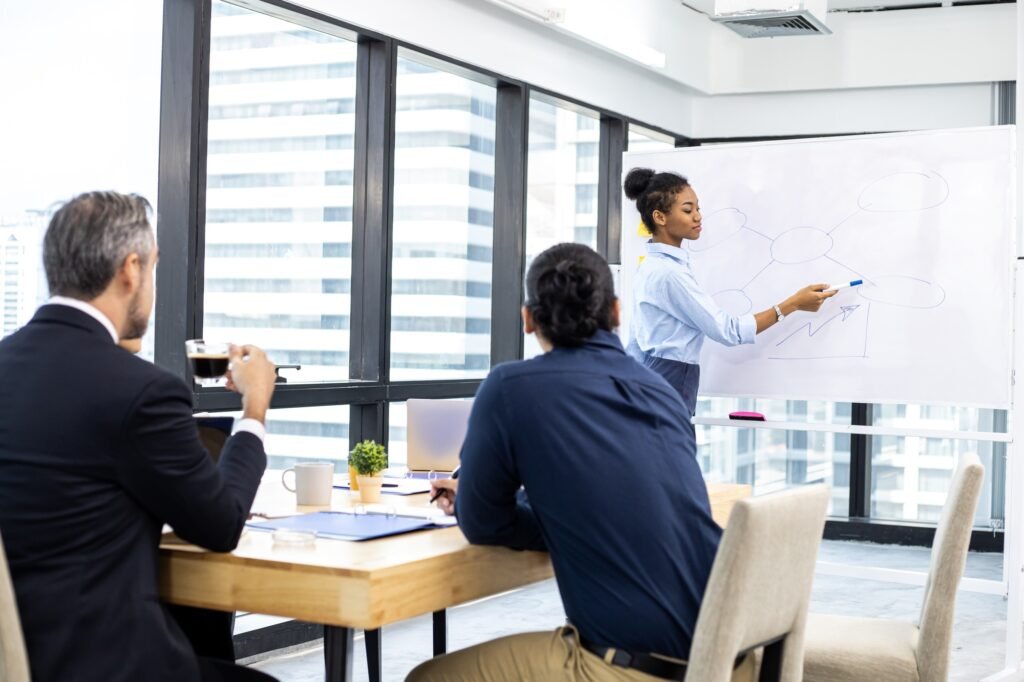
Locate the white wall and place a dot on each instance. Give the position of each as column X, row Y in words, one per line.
column 482, row 34
column 845, row 111
column 897, row 70
column 971, row 44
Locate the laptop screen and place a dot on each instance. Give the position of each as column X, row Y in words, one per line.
column 435, row 430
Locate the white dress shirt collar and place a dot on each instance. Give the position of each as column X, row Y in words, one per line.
column 89, row 310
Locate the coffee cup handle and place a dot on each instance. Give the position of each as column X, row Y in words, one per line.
column 284, row 482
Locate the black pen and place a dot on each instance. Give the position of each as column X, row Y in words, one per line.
column 455, row 474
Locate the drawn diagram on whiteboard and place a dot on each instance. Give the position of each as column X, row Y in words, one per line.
column 846, row 333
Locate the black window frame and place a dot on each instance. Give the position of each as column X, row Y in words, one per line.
column 369, row 390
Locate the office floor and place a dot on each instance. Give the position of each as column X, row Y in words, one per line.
column 977, row 640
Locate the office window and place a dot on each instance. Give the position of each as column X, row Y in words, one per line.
column 68, row 126
column 562, row 174
column 773, row 460
column 279, row 191
column 397, row 439
column 645, row 140
column 305, row 433
column 443, row 224
column 910, row 475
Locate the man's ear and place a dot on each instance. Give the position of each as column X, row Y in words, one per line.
column 616, row 313
column 131, row 271
column 528, row 326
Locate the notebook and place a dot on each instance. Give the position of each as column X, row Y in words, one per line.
column 395, row 486
column 347, row 526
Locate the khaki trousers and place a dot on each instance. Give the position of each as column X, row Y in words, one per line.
column 536, row 657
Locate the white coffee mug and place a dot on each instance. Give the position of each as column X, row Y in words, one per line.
column 314, row 482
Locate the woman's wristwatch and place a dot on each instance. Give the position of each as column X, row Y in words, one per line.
column 778, row 311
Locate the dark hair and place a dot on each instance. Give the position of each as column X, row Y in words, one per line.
column 653, row 192
column 569, row 293
column 88, row 239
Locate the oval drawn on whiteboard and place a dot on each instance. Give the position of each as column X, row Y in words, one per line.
column 904, row 192
column 903, row 291
column 719, row 227
column 733, row 301
column 800, row 245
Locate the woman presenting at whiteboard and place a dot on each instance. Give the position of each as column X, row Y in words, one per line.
column 671, row 314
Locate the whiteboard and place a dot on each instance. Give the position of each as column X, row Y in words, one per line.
column 926, row 219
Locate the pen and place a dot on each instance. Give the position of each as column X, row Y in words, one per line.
column 455, row 474
column 854, row 283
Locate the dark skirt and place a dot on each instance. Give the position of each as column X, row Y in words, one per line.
column 682, row 376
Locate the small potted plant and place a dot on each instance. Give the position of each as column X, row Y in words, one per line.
column 368, row 459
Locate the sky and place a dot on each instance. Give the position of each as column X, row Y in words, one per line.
column 79, row 100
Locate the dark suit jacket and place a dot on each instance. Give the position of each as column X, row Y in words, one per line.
column 98, row 448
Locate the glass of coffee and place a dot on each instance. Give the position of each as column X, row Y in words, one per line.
column 208, row 360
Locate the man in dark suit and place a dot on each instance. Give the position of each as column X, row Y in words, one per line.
column 98, row 449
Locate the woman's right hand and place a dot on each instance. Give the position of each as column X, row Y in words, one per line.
column 811, row 297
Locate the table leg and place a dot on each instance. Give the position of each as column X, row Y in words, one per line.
column 373, row 654
column 337, row 654
column 440, row 632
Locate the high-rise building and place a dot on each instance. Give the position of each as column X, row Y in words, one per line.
column 22, row 286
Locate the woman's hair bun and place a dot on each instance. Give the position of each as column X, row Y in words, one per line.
column 637, row 181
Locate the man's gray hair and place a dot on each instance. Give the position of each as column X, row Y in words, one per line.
column 88, row 239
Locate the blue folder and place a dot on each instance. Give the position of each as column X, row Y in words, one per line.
column 347, row 526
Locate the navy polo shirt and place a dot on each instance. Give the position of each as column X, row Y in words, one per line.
column 604, row 451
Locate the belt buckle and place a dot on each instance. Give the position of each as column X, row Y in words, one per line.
column 618, row 657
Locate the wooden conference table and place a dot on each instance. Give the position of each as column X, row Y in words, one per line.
column 358, row 585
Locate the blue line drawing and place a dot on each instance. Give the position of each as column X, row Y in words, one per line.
column 855, row 337
column 905, row 191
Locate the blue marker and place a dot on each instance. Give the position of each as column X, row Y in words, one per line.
column 854, row 283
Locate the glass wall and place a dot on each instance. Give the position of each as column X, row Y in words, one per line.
column 279, row 191
column 282, row 144
column 771, row 460
column 910, row 475
column 59, row 137
column 443, row 224
column 562, row 175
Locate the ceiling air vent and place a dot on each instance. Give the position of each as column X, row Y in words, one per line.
column 761, row 19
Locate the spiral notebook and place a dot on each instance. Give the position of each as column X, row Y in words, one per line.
column 347, row 526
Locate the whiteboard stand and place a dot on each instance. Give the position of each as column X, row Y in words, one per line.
column 1013, row 534
column 1013, row 561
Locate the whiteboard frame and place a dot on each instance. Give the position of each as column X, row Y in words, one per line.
column 625, row 278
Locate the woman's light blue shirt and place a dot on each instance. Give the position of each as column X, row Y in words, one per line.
column 671, row 314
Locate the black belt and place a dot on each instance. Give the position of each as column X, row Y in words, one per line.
column 645, row 663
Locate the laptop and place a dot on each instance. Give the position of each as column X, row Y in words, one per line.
column 435, row 430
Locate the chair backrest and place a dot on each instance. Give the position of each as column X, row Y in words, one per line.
column 760, row 584
column 949, row 554
column 13, row 657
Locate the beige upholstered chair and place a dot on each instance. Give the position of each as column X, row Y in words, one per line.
column 840, row 649
column 760, row 586
column 13, row 659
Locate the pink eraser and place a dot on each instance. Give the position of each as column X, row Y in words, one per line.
column 749, row 416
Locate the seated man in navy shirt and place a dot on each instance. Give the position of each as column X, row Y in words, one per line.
column 615, row 492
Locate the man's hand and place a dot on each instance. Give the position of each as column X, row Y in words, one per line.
column 444, row 490
column 251, row 374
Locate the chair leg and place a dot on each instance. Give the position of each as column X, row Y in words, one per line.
column 771, row 661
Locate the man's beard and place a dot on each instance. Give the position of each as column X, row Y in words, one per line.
column 137, row 322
